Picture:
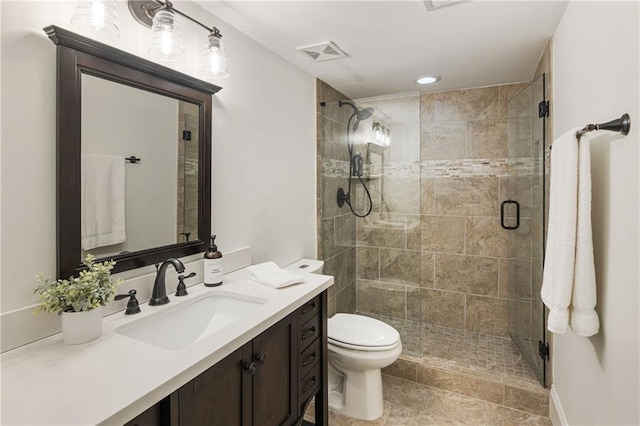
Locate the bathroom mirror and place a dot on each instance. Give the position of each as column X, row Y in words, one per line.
column 145, row 132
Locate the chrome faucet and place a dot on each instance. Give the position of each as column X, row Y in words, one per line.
column 159, row 293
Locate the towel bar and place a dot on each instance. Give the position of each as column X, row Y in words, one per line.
column 620, row 125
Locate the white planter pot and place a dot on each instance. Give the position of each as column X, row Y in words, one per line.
column 81, row 327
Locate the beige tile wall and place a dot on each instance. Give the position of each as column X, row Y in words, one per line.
column 434, row 250
column 336, row 226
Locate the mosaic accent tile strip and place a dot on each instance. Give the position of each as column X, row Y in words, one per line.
column 501, row 167
column 334, row 168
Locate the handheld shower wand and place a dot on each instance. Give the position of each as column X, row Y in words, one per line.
column 355, row 162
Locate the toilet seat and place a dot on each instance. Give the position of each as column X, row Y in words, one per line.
column 362, row 348
column 361, row 333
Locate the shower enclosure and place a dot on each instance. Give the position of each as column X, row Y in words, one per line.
column 432, row 259
column 526, row 185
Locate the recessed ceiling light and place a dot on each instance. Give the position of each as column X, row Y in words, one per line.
column 428, row 79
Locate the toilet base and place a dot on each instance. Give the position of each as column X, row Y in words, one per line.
column 356, row 394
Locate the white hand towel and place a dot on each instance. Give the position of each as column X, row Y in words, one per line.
column 102, row 205
column 271, row 275
column 584, row 318
column 568, row 287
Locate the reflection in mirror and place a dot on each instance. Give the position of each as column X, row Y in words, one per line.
column 171, row 184
column 128, row 206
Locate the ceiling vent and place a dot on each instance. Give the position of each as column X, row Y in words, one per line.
column 440, row 4
column 323, row 52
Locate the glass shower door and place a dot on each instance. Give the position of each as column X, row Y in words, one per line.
column 523, row 211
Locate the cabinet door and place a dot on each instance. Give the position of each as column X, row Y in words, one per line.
column 220, row 396
column 274, row 382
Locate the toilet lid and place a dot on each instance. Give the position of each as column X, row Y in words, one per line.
column 359, row 330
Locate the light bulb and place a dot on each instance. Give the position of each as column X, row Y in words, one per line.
column 97, row 17
column 214, row 59
column 166, row 39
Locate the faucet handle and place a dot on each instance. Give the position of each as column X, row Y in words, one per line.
column 133, row 307
column 182, row 288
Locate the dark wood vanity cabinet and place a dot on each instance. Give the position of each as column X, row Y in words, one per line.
column 267, row 382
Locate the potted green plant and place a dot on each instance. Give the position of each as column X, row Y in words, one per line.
column 79, row 300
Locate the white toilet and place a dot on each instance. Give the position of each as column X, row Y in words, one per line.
column 359, row 348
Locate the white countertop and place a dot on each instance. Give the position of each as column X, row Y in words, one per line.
column 114, row 378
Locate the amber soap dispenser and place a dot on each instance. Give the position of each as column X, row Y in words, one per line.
column 212, row 264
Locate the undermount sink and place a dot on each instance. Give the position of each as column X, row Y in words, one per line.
column 179, row 326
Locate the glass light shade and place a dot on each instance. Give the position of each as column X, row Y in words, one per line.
column 166, row 39
column 378, row 133
column 97, row 16
column 214, row 58
column 387, row 137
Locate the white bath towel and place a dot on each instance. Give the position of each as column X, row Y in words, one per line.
column 569, row 287
column 270, row 274
column 102, row 202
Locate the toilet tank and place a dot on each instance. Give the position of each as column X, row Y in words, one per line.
column 307, row 266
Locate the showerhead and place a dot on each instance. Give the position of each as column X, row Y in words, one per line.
column 361, row 114
column 365, row 113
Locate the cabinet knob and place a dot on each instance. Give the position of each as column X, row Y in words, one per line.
column 250, row 367
column 309, row 360
column 261, row 359
column 309, row 308
column 310, row 332
column 310, row 384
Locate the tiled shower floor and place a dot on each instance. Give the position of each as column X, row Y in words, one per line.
column 452, row 349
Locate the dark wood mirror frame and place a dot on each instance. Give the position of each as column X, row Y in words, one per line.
column 77, row 55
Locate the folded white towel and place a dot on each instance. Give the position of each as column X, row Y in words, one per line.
column 103, row 195
column 584, row 319
column 568, row 287
column 271, row 275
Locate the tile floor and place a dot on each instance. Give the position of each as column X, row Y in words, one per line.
column 492, row 357
column 412, row 404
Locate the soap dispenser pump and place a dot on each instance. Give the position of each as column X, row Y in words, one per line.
column 212, row 265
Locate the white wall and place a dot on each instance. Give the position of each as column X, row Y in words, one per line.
column 596, row 78
column 263, row 183
column 151, row 186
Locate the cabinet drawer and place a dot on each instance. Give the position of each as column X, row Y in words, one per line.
column 308, row 332
column 309, row 384
column 309, row 309
column 309, row 358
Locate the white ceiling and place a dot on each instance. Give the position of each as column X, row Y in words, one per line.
column 391, row 43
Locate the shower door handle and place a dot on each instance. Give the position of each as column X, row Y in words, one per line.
column 510, row 228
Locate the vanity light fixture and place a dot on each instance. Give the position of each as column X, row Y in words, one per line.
column 166, row 42
column 381, row 134
column 97, row 16
column 428, row 79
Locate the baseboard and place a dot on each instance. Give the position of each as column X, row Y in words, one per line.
column 556, row 413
